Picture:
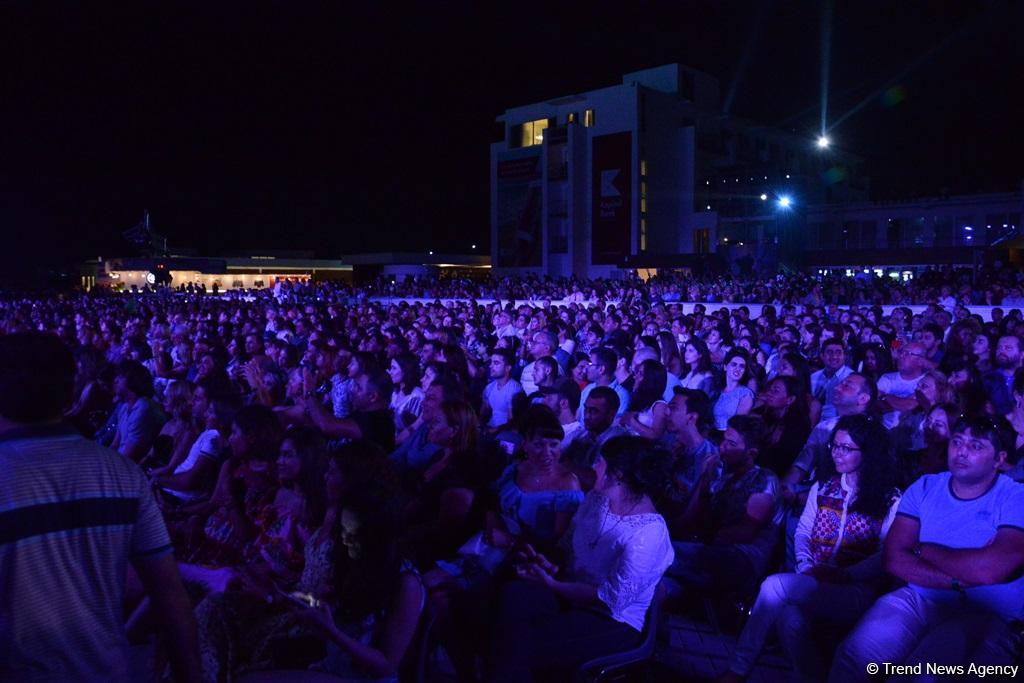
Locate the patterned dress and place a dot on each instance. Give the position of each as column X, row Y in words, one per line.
column 237, row 635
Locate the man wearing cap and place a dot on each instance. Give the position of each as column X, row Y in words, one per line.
column 563, row 397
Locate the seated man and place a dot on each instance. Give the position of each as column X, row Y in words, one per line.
column 139, row 417
column 731, row 524
column 687, row 422
column 958, row 542
column 598, row 426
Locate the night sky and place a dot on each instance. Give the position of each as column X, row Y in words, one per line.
column 296, row 125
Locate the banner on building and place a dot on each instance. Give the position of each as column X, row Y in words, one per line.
column 519, row 199
column 611, row 188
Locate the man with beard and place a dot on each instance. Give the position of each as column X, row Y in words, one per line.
column 998, row 383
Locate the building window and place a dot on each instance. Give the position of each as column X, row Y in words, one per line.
column 643, row 234
column 571, row 118
column 588, row 118
column 701, row 241
column 643, row 167
column 529, row 133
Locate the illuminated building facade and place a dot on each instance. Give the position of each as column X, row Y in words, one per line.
column 647, row 171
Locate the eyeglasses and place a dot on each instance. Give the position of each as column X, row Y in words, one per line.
column 842, row 448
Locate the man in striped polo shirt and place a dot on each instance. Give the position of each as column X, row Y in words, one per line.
column 73, row 514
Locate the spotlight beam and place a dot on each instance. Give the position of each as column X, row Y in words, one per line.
column 756, row 31
column 917, row 63
column 826, row 58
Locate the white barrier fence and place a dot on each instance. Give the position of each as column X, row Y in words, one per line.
column 755, row 308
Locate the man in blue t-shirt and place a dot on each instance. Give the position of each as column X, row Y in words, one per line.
column 958, row 542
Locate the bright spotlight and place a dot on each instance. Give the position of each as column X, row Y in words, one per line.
column 823, row 142
column 785, row 201
column 764, row 197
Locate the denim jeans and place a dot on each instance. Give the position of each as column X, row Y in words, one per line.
column 793, row 603
column 904, row 627
column 718, row 568
column 534, row 630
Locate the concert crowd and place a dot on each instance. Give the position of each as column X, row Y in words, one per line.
column 321, row 482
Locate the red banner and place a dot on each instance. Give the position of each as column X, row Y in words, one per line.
column 611, row 191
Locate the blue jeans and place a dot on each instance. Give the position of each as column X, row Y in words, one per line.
column 792, row 603
column 904, row 627
column 719, row 568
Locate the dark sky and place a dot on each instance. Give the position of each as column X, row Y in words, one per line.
column 366, row 127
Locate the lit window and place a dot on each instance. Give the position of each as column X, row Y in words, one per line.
column 643, row 169
column 643, row 234
column 588, row 118
column 533, row 132
column 643, row 204
column 571, row 118
column 643, row 188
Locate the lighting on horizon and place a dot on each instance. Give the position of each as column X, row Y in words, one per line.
column 785, row 201
column 823, row 142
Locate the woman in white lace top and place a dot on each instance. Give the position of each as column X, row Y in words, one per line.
column 594, row 602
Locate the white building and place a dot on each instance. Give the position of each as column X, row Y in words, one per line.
column 648, row 172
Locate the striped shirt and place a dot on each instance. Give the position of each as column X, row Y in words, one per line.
column 72, row 515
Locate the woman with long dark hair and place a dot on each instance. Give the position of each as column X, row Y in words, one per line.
column 697, row 371
column 838, row 552
column 407, row 398
column 784, row 412
column 443, row 498
column 872, row 360
column 793, row 364
column 372, row 618
column 670, row 357
column 735, row 397
column 647, row 408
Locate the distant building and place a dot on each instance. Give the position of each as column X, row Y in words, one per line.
column 228, row 273
column 897, row 237
column 649, row 173
column 258, row 271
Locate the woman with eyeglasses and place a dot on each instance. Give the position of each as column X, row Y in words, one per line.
column 838, row 551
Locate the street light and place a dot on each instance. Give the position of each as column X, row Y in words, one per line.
column 823, row 142
column 785, row 202
column 764, row 197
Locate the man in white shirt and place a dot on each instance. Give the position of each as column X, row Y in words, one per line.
column 896, row 389
column 542, row 343
column 496, row 409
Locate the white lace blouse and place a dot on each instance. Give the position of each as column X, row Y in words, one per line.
column 624, row 556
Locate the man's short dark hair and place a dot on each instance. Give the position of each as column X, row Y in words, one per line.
column 137, row 377
column 506, row 355
column 933, row 329
column 696, row 402
column 606, row 394
column 606, row 358
column 379, row 381
column 550, row 362
column 996, row 430
column 37, row 377
column 750, row 428
column 869, row 387
column 833, row 341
